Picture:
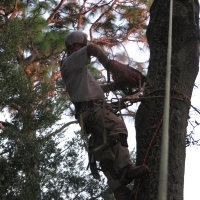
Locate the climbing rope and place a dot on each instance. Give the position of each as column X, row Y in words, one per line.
column 163, row 173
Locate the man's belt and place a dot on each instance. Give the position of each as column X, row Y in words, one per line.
column 87, row 104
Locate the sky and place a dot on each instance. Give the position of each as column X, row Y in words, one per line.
column 192, row 164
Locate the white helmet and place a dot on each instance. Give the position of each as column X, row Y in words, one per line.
column 75, row 37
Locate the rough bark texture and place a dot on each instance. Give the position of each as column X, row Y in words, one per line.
column 185, row 59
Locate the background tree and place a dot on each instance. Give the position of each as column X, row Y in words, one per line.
column 185, row 60
column 33, row 163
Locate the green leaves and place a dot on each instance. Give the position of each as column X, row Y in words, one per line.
column 38, row 163
column 12, row 35
column 40, row 7
column 8, row 4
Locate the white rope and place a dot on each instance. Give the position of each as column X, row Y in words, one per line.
column 163, row 176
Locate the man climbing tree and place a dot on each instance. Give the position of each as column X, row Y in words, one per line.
column 185, row 59
column 108, row 140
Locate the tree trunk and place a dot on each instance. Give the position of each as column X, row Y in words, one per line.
column 185, row 59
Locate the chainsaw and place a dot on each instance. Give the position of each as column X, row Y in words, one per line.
column 127, row 78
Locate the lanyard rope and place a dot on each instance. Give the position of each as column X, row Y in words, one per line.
column 163, row 176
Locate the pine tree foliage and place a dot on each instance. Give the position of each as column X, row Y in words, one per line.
column 33, row 163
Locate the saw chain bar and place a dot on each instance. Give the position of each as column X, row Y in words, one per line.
column 129, row 79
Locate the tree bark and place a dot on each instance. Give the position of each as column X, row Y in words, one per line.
column 148, row 123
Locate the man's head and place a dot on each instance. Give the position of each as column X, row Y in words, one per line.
column 75, row 38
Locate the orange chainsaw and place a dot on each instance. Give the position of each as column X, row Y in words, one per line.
column 127, row 78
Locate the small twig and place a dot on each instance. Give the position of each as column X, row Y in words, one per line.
column 62, row 128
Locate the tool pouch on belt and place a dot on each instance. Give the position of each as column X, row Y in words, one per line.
column 92, row 161
column 81, row 107
column 88, row 106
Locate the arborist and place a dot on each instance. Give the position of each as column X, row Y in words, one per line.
column 108, row 142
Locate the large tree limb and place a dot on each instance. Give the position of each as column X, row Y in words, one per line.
column 51, row 17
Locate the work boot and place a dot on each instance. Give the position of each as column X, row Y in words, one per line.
column 122, row 193
column 130, row 172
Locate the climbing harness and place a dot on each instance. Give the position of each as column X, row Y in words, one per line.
column 90, row 107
